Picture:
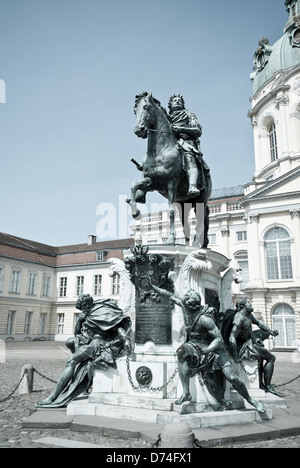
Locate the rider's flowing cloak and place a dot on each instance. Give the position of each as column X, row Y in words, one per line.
column 104, row 320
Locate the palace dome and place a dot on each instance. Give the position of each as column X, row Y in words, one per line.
column 282, row 56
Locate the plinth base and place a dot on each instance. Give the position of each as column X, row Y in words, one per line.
column 162, row 411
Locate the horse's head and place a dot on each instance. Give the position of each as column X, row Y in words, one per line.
column 145, row 114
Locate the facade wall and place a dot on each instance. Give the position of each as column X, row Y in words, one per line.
column 24, row 293
column 32, row 308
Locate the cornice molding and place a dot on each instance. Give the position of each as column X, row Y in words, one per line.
column 263, row 193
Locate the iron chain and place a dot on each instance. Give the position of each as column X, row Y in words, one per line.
column 44, row 376
column 15, row 389
column 147, row 387
column 286, row 383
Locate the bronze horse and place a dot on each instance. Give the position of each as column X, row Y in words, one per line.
column 163, row 171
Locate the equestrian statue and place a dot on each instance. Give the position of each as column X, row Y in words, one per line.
column 173, row 164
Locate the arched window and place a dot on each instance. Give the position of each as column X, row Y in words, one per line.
column 273, row 142
column 284, row 321
column 278, row 254
column 241, row 259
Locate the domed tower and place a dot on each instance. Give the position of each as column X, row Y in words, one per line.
column 275, row 113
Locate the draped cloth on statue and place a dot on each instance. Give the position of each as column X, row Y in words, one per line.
column 105, row 315
column 97, row 346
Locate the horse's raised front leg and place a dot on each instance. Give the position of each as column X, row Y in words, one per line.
column 145, row 185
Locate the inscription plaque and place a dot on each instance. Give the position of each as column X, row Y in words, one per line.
column 153, row 313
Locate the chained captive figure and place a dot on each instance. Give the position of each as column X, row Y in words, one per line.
column 204, row 338
column 244, row 343
column 101, row 335
column 187, row 130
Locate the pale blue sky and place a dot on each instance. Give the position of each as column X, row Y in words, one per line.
column 72, row 69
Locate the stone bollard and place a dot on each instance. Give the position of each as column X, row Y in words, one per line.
column 26, row 384
column 177, row 435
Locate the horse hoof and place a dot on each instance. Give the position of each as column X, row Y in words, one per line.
column 170, row 241
column 137, row 215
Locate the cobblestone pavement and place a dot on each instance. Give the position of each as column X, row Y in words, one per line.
column 49, row 358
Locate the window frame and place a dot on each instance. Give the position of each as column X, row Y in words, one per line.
column 2, row 269
column 244, row 236
column 28, row 323
column 63, row 287
column 60, row 323
column 10, row 322
column 116, row 284
column 15, row 283
column 79, row 285
column 273, row 142
column 32, row 283
column 46, row 285
column 278, row 267
column 97, row 285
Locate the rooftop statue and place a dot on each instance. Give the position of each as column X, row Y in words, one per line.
column 173, row 164
column 100, row 336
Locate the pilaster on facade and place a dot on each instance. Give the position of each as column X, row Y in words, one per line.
column 295, row 215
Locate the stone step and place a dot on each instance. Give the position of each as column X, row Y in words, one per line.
column 132, row 401
column 162, row 416
column 211, row 419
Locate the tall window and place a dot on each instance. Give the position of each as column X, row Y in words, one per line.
column 28, row 321
column 15, row 280
column 1, row 277
column 46, row 286
column 43, row 322
column 116, row 284
column 97, row 285
column 10, row 324
column 63, row 287
column 273, row 142
column 243, row 265
column 60, row 323
column 284, row 321
column 79, row 285
column 241, row 258
column 278, row 254
column 32, row 279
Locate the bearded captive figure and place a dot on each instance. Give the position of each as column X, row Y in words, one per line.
column 245, row 343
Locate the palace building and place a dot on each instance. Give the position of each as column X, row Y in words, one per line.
column 40, row 284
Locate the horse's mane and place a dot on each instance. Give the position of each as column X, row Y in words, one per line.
column 144, row 94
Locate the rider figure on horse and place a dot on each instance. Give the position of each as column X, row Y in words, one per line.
column 188, row 131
